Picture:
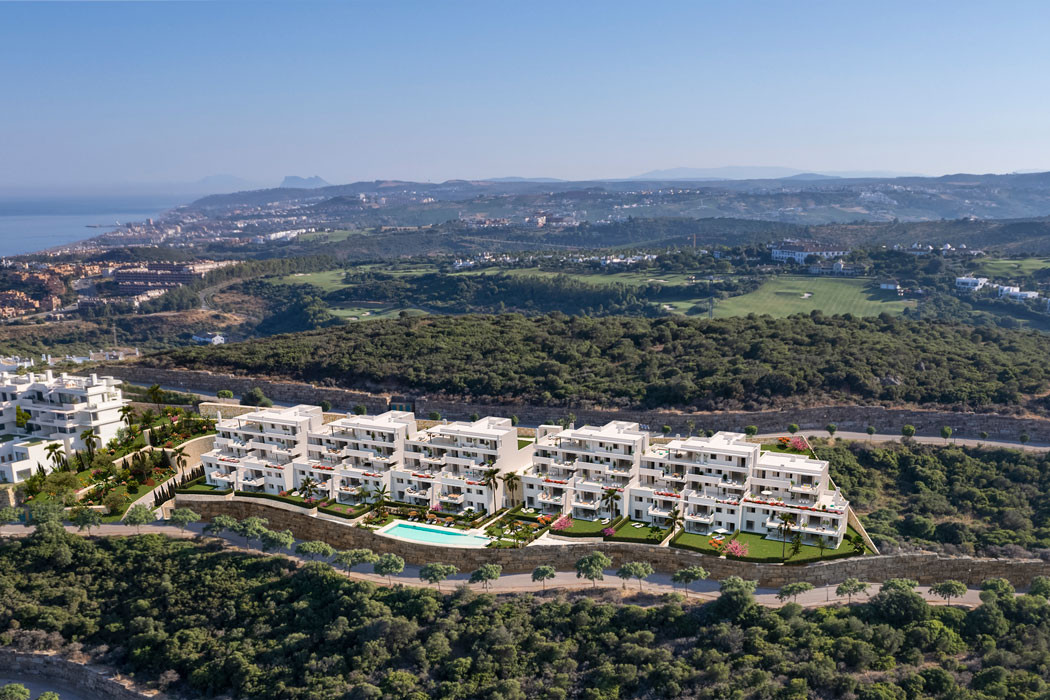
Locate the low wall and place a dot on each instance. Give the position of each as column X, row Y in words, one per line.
column 848, row 418
column 924, row 567
column 91, row 681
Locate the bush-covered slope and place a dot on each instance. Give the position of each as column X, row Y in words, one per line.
column 748, row 362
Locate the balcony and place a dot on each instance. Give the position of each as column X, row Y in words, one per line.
column 548, row 497
column 452, row 497
column 221, row 476
column 258, row 481
column 659, row 512
column 706, row 518
column 417, row 493
column 589, row 505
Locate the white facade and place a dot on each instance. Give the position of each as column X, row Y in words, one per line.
column 255, row 451
column 59, row 408
column 352, row 457
column 725, row 482
column 971, row 284
column 445, row 465
column 799, row 252
column 572, row 469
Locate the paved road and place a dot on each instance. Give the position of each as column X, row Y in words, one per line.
column 659, row 583
column 927, row 439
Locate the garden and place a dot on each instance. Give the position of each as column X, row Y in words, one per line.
column 753, row 547
column 517, row 528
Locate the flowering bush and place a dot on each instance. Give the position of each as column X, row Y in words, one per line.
column 784, row 441
column 543, row 519
column 736, row 548
column 562, row 523
column 799, row 443
column 609, row 531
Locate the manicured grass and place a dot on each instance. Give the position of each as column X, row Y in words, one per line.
column 762, row 549
column 346, row 510
column 524, row 442
column 626, row 532
column 1009, row 268
column 201, row 488
column 329, row 280
column 783, row 296
column 584, row 528
column 788, row 449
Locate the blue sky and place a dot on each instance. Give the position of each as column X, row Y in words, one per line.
column 175, row 91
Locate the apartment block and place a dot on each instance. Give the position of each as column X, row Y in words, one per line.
column 726, row 483
column 352, row 457
column 55, row 409
column 256, row 451
column 585, row 472
column 445, row 465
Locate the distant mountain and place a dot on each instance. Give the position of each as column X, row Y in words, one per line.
column 523, row 179
column 811, row 176
column 758, row 172
column 303, row 183
column 217, row 184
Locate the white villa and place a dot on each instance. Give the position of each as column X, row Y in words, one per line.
column 255, row 451
column 445, row 465
column 57, row 409
column 971, row 284
column 573, row 469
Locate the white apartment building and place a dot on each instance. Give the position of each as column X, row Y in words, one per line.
column 573, row 469
column 256, row 451
column 727, row 483
column 445, row 465
column 971, row 284
column 351, row 458
column 799, row 251
column 57, row 409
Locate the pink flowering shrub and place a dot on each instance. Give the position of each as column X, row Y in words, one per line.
column 562, row 523
column 799, row 443
column 736, row 548
column 609, row 531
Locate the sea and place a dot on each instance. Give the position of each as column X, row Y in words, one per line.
column 29, row 225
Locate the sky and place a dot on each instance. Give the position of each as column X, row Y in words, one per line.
column 95, row 93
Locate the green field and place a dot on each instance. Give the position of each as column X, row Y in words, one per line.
column 330, row 236
column 786, row 295
column 1009, row 268
column 637, row 279
column 329, row 280
column 369, row 312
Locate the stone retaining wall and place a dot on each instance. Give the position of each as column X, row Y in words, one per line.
column 848, row 418
column 92, row 681
column 923, row 567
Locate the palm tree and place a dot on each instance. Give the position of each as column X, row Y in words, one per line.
column 178, row 455
column 127, row 414
column 787, row 520
column 379, row 496
column 675, row 518
column 155, row 394
column 89, row 439
column 610, row 497
column 308, row 487
column 54, row 453
column 511, row 481
column 488, row 480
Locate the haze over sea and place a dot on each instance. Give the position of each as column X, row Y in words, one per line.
column 28, row 225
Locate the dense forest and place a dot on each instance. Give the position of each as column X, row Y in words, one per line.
column 196, row 620
column 960, row 500
column 749, row 362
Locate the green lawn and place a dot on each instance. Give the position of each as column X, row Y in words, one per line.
column 1009, row 268
column 760, row 548
column 329, row 280
column 786, row 295
column 371, row 312
column 776, row 447
column 626, row 532
column 524, row 442
column 583, row 528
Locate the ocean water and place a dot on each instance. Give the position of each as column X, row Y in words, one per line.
column 31, row 225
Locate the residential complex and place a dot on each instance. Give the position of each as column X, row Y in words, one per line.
column 38, row 409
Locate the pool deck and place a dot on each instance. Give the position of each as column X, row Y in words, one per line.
column 385, row 532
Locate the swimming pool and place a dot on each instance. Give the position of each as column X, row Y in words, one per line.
column 432, row 535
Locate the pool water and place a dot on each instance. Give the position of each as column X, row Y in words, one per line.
column 433, row 535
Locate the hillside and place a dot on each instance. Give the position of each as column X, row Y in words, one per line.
column 705, row 364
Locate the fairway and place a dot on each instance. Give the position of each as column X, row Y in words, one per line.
column 1009, row 268
column 786, row 295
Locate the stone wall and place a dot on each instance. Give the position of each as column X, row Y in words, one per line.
column 923, row 567
column 90, row 681
column 848, row 418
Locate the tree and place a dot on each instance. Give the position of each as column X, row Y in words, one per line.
column 86, row 518
column 674, row 517
column 251, row 528
column 787, row 521
column 155, row 395
column 273, row 540
column 949, row 589
column 474, row 417
column 857, row 542
column 488, row 479
column 183, row 517
column 1024, row 438
column 45, row 512
column 851, row 587
column 434, row 415
column 592, row 567
column 308, row 487
column 793, row 590
column 255, row 397
column 360, row 409
column 751, row 430
column 687, row 575
column 665, row 429
column 55, row 454
column 870, row 430
column 14, row 691
column 609, row 499
column 690, row 426
column 388, row 565
column 10, row 514
column 325, row 405
column 139, row 515
column 127, row 414
column 832, row 429
column 486, row 574
column 898, row 584
column 436, row 573
column 796, row 544
column 640, row 570
column 511, row 482
column 89, row 439
column 315, row 548
column 178, row 456
column 793, row 428
column 514, row 420
column 983, row 434
column 349, row 558
column 221, row 523
column 224, row 394
column 543, row 573
column 908, row 431
column 946, row 432
column 22, row 417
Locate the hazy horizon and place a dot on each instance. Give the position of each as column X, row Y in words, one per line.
column 132, row 95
